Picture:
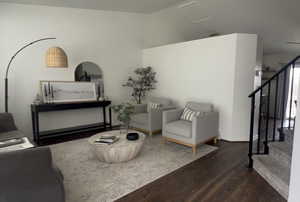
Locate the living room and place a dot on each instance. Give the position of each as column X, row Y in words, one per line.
column 197, row 64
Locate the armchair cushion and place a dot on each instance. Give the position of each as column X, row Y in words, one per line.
column 179, row 128
column 140, row 118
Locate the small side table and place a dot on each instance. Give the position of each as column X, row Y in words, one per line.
column 120, row 151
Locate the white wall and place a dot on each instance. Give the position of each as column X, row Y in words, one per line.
column 245, row 65
column 219, row 70
column 113, row 40
column 257, row 80
column 294, row 194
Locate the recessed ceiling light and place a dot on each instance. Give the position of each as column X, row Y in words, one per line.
column 187, row 4
column 204, row 19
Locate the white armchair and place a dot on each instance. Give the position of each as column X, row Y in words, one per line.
column 150, row 121
column 201, row 129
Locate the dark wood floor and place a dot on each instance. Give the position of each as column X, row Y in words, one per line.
column 218, row 177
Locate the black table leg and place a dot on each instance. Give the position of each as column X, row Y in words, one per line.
column 110, row 123
column 33, row 125
column 37, row 127
column 104, row 117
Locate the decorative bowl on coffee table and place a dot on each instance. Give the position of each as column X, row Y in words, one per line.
column 121, row 151
column 132, row 136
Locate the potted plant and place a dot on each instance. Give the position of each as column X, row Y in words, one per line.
column 124, row 112
column 142, row 83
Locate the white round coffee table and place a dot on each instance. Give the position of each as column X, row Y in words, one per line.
column 120, row 151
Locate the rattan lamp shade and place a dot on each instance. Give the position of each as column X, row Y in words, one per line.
column 56, row 57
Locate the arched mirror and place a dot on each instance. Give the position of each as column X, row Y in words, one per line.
column 91, row 72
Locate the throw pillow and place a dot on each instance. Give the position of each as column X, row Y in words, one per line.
column 188, row 114
column 152, row 105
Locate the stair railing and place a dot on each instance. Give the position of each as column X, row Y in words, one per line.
column 273, row 91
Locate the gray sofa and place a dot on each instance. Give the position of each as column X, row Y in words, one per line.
column 150, row 121
column 27, row 175
column 191, row 133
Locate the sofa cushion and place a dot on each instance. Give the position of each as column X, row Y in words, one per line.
column 141, row 118
column 11, row 135
column 180, row 128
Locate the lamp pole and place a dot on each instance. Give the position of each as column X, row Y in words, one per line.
column 8, row 66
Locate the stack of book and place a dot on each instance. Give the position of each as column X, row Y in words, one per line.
column 105, row 139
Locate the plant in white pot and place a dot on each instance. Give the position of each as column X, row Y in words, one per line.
column 124, row 112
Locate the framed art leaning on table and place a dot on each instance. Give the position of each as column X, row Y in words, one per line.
column 67, row 91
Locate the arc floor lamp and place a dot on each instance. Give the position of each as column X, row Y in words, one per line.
column 53, row 60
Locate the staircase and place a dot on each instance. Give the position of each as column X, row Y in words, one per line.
column 275, row 167
column 271, row 132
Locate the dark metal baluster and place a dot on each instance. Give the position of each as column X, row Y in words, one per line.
column 275, row 110
column 283, row 108
column 259, row 121
column 266, row 151
column 291, row 96
column 251, row 131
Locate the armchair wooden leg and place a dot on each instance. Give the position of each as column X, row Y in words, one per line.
column 215, row 140
column 194, row 148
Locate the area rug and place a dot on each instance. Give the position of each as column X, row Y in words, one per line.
column 88, row 180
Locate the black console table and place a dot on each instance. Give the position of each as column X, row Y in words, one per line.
column 42, row 135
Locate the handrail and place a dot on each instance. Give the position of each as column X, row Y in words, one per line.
column 274, row 76
column 263, row 134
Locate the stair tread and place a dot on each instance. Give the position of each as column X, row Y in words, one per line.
column 275, row 167
column 289, row 135
column 274, row 171
column 284, row 147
